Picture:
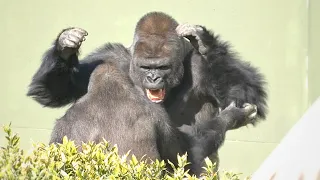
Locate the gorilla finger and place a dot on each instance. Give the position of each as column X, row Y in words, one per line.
column 246, row 104
column 253, row 115
column 78, row 34
column 180, row 27
column 63, row 35
column 74, row 38
column 82, row 31
column 185, row 29
column 255, row 108
column 198, row 28
column 179, row 31
column 231, row 105
column 250, row 109
column 191, row 29
column 70, row 44
column 188, row 30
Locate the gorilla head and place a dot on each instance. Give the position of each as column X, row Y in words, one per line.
column 158, row 53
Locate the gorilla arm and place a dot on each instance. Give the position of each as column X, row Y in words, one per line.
column 62, row 78
column 57, row 81
column 207, row 136
column 222, row 75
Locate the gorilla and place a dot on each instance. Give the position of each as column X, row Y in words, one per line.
column 184, row 68
column 115, row 109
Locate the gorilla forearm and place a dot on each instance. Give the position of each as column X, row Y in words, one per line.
column 52, row 84
column 61, row 78
column 208, row 135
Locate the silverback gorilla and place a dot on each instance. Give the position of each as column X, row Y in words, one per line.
column 190, row 82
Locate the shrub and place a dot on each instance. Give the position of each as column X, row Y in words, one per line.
column 95, row 161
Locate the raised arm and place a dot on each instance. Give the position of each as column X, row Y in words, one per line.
column 223, row 75
column 61, row 79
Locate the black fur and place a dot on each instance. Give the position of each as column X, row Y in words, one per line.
column 218, row 73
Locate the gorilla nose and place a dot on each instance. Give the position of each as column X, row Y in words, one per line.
column 153, row 78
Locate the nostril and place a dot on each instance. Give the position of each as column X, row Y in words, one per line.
column 149, row 78
column 153, row 78
column 157, row 79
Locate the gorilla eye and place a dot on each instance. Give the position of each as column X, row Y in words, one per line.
column 164, row 67
column 145, row 67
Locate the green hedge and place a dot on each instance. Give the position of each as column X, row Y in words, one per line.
column 96, row 161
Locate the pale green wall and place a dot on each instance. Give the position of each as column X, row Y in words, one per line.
column 272, row 34
column 314, row 50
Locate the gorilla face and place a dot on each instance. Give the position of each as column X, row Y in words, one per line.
column 154, row 82
column 157, row 65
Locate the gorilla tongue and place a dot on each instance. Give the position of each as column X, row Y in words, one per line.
column 156, row 95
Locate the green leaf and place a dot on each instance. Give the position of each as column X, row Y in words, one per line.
column 134, row 160
column 208, row 162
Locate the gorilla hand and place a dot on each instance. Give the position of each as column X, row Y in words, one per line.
column 238, row 117
column 194, row 34
column 69, row 41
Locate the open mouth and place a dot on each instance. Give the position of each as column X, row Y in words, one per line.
column 156, row 95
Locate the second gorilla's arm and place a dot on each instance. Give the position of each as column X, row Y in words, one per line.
column 207, row 136
column 222, row 75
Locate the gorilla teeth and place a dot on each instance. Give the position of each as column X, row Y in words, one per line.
column 156, row 95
